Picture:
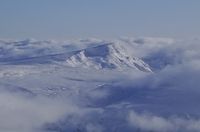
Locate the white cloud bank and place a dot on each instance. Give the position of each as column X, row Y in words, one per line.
column 23, row 113
column 149, row 122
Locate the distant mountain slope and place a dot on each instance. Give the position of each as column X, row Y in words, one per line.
column 109, row 56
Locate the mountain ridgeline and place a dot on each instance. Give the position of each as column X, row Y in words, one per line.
column 106, row 56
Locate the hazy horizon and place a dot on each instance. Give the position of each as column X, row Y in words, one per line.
column 49, row 19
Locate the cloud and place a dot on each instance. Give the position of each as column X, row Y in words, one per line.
column 160, row 52
column 150, row 122
column 19, row 49
column 19, row 112
column 143, row 46
column 93, row 128
column 175, row 62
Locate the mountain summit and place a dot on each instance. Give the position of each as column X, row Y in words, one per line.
column 109, row 56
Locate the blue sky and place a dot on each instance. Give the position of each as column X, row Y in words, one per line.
column 73, row 19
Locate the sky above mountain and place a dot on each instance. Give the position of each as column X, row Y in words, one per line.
column 74, row 19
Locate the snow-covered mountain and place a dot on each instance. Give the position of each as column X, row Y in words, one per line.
column 108, row 56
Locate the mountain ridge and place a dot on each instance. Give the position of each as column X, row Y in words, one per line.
column 107, row 56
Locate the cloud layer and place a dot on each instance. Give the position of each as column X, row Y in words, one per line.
column 19, row 49
column 158, row 52
column 176, row 64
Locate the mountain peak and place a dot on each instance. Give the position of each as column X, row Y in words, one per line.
column 109, row 56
